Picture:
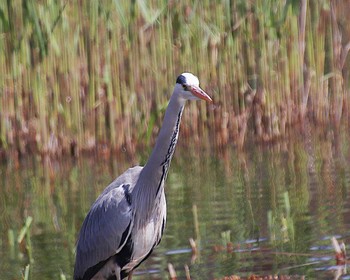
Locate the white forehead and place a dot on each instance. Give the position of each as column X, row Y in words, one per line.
column 191, row 79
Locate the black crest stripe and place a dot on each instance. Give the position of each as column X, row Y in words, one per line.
column 181, row 80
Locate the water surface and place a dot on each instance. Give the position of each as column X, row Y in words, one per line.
column 270, row 209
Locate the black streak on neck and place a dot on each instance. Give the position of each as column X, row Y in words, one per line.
column 171, row 149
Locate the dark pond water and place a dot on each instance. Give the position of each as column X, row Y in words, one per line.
column 267, row 210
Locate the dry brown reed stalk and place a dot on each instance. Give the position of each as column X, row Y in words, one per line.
column 340, row 252
column 172, row 272
column 194, row 250
column 187, row 271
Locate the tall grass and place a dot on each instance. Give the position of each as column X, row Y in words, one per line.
column 89, row 75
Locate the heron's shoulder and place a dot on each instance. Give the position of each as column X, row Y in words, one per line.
column 133, row 170
column 128, row 178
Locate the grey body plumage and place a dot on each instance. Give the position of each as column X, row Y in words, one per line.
column 127, row 220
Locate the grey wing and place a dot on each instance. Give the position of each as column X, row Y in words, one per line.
column 105, row 229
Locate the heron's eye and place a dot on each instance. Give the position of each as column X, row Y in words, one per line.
column 185, row 87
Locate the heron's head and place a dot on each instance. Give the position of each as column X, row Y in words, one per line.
column 187, row 86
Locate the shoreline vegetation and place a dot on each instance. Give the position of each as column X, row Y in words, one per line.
column 87, row 76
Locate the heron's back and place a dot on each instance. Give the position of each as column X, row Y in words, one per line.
column 107, row 225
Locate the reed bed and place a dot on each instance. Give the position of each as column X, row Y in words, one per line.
column 96, row 75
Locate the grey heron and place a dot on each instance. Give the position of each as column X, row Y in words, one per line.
column 127, row 220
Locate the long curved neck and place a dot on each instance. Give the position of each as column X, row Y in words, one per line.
column 150, row 184
column 156, row 168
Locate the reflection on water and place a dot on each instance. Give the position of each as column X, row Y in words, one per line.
column 267, row 210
